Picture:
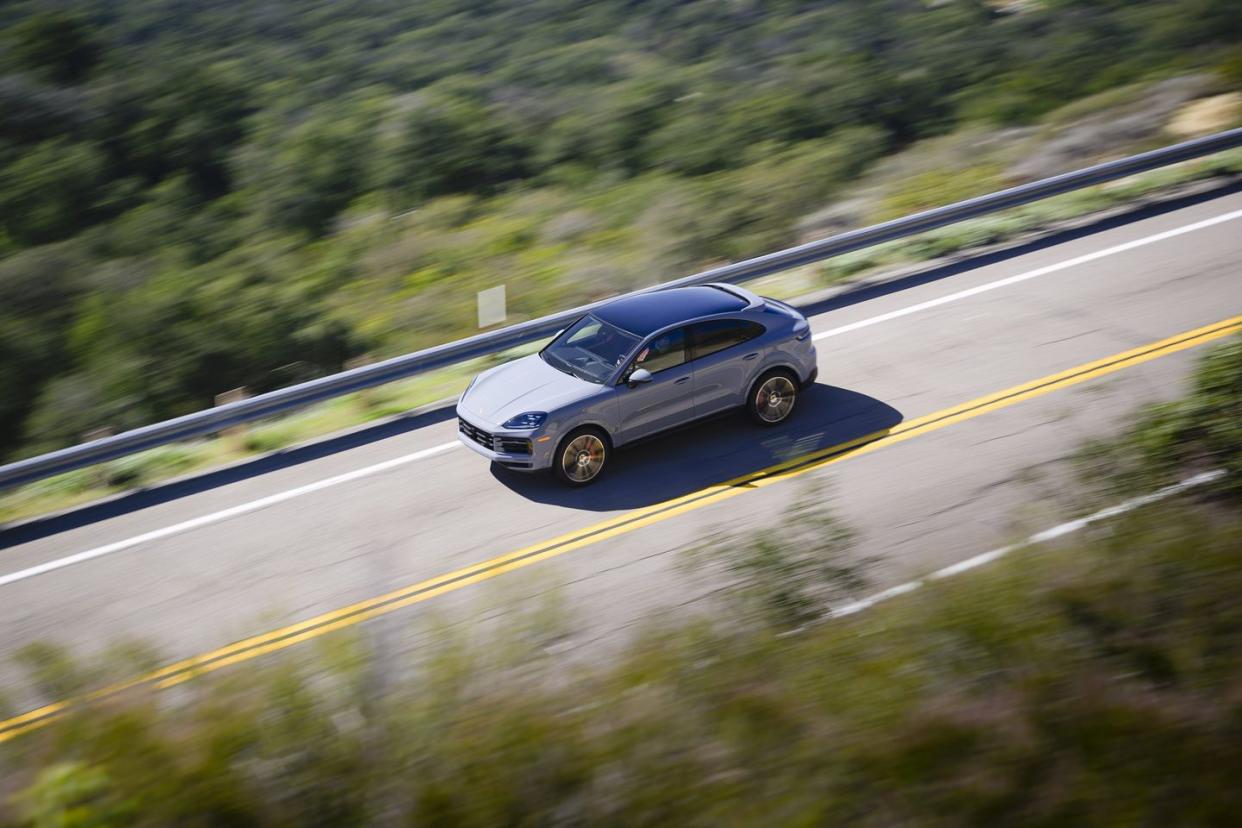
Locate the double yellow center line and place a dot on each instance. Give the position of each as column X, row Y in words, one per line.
column 279, row 639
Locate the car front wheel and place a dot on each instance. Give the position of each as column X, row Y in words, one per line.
column 581, row 456
column 773, row 397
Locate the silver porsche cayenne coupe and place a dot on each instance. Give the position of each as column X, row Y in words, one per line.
column 634, row 367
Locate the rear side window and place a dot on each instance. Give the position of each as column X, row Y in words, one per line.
column 718, row 334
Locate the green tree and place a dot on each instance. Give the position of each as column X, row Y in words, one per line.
column 38, row 289
column 185, row 121
column 450, row 145
column 31, row 111
column 309, row 174
column 51, row 191
column 56, row 45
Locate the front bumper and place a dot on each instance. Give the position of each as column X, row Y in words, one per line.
column 519, row 450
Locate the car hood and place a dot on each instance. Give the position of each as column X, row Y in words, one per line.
column 526, row 384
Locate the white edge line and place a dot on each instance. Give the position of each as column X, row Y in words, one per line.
column 1057, row 531
column 264, row 502
column 1030, row 274
column 224, row 514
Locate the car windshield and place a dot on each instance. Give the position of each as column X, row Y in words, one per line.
column 589, row 349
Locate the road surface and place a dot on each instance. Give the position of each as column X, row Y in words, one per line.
column 320, row 533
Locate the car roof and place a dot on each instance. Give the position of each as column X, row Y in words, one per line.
column 644, row 313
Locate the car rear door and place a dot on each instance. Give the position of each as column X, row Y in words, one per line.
column 724, row 358
column 666, row 401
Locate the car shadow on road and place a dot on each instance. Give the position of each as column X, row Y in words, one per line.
column 712, row 452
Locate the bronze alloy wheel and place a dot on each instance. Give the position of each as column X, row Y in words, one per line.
column 774, row 399
column 582, row 458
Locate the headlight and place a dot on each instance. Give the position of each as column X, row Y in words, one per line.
column 530, row 419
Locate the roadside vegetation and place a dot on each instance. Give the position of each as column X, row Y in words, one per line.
column 200, row 197
column 1170, row 441
column 1022, row 222
column 1089, row 681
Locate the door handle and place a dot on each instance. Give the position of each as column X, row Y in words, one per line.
column 680, row 381
column 752, row 356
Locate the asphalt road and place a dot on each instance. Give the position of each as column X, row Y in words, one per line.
column 196, row 565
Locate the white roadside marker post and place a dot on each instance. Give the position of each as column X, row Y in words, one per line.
column 492, row 306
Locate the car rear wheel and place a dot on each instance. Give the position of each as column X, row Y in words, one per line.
column 581, row 456
column 773, row 397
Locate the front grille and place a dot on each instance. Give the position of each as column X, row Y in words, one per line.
column 475, row 433
column 494, row 442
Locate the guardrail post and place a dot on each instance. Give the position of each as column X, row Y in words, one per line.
column 98, row 475
column 234, row 436
column 366, row 396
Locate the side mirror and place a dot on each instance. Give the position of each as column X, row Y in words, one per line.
column 639, row 375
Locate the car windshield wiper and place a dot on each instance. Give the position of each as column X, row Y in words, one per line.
column 564, row 369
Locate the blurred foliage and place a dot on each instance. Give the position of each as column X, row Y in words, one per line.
column 72, row 795
column 1039, row 216
column 936, row 187
column 792, row 575
column 1090, row 683
column 59, row 47
column 1172, row 440
column 198, row 196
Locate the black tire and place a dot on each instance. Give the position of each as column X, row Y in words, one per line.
column 590, row 456
column 773, row 397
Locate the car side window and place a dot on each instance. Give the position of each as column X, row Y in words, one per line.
column 717, row 334
column 668, row 350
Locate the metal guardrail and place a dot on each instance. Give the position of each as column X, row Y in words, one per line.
column 275, row 402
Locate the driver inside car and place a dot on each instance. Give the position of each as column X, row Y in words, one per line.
column 665, row 351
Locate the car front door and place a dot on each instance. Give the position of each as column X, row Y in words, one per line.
column 668, row 399
column 724, row 361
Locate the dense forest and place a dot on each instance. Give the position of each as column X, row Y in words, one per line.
column 201, row 194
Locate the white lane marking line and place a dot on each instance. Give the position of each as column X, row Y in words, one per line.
column 244, row 508
column 1057, row 531
column 1030, row 274
column 224, row 514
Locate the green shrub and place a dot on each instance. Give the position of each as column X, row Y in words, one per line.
column 1170, row 440
column 74, row 795
column 934, row 188
column 789, row 578
column 150, row 465
column 267, row 438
